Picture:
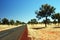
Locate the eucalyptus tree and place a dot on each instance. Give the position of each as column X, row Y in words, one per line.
column 55, row 21
column 56, row 17
column 33, row 21
column 5, row 21
column 12, row 22
column 45, row 11
column 17, row 22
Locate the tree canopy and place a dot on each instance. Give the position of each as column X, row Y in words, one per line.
column 12, row 22
column 48, row 21
column 33, row 21
column 45, row 10
column 56, row 16
column 5, row 21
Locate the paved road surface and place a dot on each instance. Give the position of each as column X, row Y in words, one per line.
column 12, row 34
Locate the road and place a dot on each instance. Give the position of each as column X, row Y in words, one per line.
column 12, row 34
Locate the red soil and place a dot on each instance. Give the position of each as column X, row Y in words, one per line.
column 24, row 35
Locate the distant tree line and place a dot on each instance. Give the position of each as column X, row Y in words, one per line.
column 10, row 22
column 33, row 21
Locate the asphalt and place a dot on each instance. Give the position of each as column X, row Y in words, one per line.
column 12, row 34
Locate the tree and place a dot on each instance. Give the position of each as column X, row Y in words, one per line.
column 33, row 21
column 18, row 22
column 48, row 21
column 45, row 11
column 22, row 22
column 0, row 20
column 56, row 17
column 12, row 22
column 55, row 22
column 5, row 21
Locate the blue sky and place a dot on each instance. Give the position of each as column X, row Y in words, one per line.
column 24, row 10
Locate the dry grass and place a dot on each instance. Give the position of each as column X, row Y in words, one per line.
column 48, row 33
column 5, row 27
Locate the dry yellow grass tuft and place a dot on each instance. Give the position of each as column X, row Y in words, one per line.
column 48, row 33
column 5, row 27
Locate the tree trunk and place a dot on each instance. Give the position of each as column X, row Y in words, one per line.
column 45, row 25
column 58, row 22
column 46, row 22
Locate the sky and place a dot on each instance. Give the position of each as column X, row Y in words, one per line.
column 24, row 10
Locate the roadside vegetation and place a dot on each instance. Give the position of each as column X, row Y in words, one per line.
column 48, row 12
column 45, row 11
column 5, row 21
